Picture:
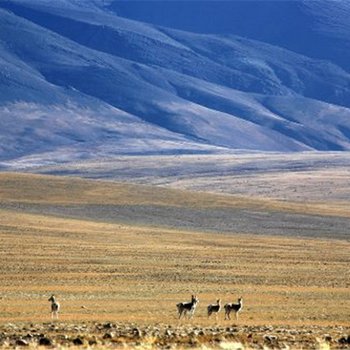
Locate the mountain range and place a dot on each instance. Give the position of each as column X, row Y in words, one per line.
column 96, row 78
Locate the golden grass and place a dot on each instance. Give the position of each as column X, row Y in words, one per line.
column 138, row 274
column 102, row 271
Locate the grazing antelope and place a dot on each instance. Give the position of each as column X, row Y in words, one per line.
column 233, row 307
column 55, row 307
column 187, row 307
column 214, row 308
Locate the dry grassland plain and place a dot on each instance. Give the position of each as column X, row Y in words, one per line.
column 113, row 270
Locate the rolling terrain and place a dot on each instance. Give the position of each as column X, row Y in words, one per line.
column 161, row 207
column 318, row 177
column 109, row 268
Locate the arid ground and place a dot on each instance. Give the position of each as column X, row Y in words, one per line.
column 119, row 255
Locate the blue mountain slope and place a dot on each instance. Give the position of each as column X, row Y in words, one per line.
column 80, row 82
column 318, row 29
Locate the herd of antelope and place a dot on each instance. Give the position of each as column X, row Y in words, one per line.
column 184, row 308
column 190, row 307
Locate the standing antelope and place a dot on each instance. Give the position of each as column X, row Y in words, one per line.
column 214, row 308
column 55, row 307
column 189, row 306
column 233, row 307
